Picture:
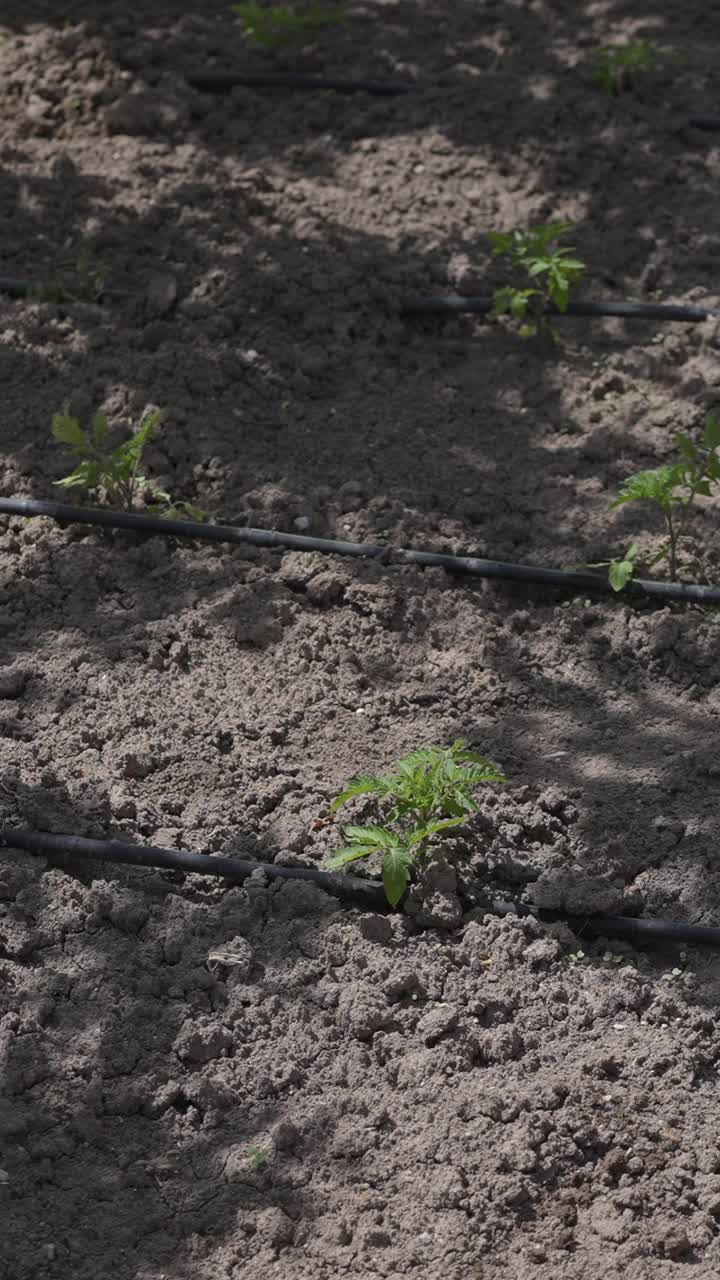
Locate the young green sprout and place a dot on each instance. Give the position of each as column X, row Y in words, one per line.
column 256, row 1157
column 552, row 271
column 673, row 489
column 621, row 570
column 77, row 280
column 113, row 474
column 617, row 65
column 273, row 28
column 430, row 790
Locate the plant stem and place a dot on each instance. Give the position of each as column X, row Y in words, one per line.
column 673, row 534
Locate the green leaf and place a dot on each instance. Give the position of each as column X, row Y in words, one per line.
column 486, row 772
column 423, row 833
column 396, row 874
column 131, row 450
column 350, row 853
column 653, row 486
column 76, row 480
column 520, row 301
column 501, row 241
column 101, row 429
column 711, row 433
column 362, row 785
column 423, row 756
column 67, row 430
column 686, row 446
column 85, row 476
column 194, row 513
column 619, row 573
column 376, row 838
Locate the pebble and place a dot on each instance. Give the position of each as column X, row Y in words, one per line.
column 12, row 682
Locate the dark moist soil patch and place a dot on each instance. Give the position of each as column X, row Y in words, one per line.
column 202, row 1082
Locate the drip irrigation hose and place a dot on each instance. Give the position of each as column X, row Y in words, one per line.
column 628, row 310
column 16, row 288
column 709, row 123
column 221, row 81
column 365, row 893
column 471, row 565
column 351, row 888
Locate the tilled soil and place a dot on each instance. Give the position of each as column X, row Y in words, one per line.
column 202, row 1081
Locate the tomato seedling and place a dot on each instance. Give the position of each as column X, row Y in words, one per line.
column 274, row 28
column 113, row 474
column 617, row 65
column 674, row 488
column 430, row 790
column 551, row 268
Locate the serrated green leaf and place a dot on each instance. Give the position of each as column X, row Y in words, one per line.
column 372, row 836
column 396, row 874
column 653, row 486
column 130, row 451
column 363, row 785
column 67, row 430
column 520, row 301
column 501, row 241
column 350, row 853
column 101, row 428
column 423, row 756
column 619, row 573
column 686, row 446
column 711, row 433
column 76, row 480
column 431, row 828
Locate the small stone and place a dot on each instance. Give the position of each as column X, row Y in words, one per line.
column 137, row 764
column 363, row 1010
column 285, row 1135
column 672, row 1242
column 326, row 588
column 161, row 294
column 201, row 1044
column 301, row 523
column 121, row 804
column 436, row 1023
column 134, row 114
column 12, row 682
column 376, row 928
column 274, row 1226
column 154, row 334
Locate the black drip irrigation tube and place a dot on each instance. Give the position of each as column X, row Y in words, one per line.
column 348, row 888
column 709, row 123
column 473, row 566
column 17, row 288
column 212, row 81
column 627, row 310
